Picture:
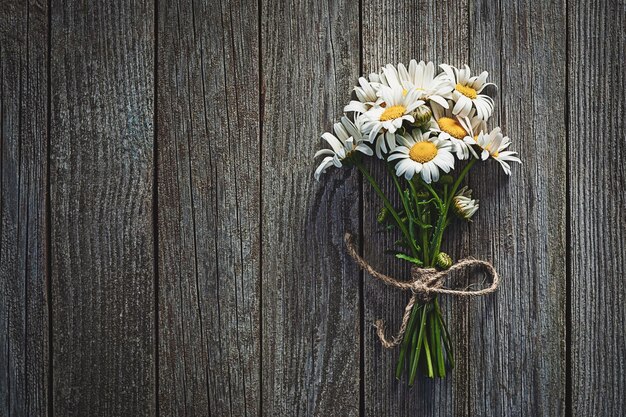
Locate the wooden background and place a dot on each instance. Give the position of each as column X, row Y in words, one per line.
column 165, row 250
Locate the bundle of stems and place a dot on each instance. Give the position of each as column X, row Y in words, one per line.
column 422, row 218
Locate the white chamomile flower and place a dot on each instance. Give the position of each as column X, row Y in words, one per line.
column 344, row 143
column 386, row 118
column 389, row 76
column 366, row 93
column 467, row 92
column 464, row 205
column 459, row 130
column 494, row 145
column 421, row 154
column 422, row 76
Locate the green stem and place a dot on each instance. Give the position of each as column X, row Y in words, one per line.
column 406, row 204
column 429, row 362
column 438, row 235
column 405, row 342
column 408, row 211
column 389, row 206
column 423, row 234
column 446, row 335
column 433, row 192
column 433, row 333
column 442, row 223
column 458, row 181
column 413, row 192
column 418, row 347
column 441, row 368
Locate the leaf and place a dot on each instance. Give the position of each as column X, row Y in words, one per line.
column 422, row 224
column 425, row 202
column 411, row 259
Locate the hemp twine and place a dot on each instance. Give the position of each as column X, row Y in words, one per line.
column 425, row 284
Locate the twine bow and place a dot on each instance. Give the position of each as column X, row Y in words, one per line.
column 425, row 284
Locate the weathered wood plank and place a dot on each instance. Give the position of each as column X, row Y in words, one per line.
column 23, row 262
column 102, row 62
column 518, row 335
column 597, row 103
column 397, row 31
column 209, row 201
column 310, row 297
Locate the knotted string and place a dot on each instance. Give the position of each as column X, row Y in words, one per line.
column 425, row 284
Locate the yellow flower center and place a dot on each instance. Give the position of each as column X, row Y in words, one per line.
column 392, row 112
column 451, row 127
column 423, row 152
column 466, row 91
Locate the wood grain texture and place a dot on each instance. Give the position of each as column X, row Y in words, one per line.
column 209, row 202
column 23, row 262
column 102, row 60
column 518, row 337
column 226, row 290
column 430, row 31
column 597, row 102
column 310, row 296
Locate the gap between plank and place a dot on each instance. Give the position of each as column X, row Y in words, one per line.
column 261, row 116
column 48, row 251
column 361, row 304
column 361, row 248
column 155, row 206
column 568, row 231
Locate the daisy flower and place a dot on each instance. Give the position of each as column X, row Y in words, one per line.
column 494, row 145
column 463, row 204
column 390, row 77
column 421, row 154
column 366, row 93
column 344, row 143
column 466, row 93
column 422, row 76
column 459, row 130
column 386, row 118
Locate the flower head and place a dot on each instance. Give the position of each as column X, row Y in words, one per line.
column 467, row 91
column 422, row 154
column 367, row 94
column 463, row 204
column 494, row 145
column 422, row 76
column 459, row 130
column 346, row 141
column 381, row 121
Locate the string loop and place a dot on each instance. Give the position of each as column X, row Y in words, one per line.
column 425, row 284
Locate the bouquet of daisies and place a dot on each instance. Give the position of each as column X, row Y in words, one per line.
column 421, row 125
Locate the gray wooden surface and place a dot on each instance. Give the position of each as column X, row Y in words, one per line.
column 165, row 251
column 101, row 245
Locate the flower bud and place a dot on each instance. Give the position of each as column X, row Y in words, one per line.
column 422, row 115
column 382, row 215
column 463, row 204
column 443, row 260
